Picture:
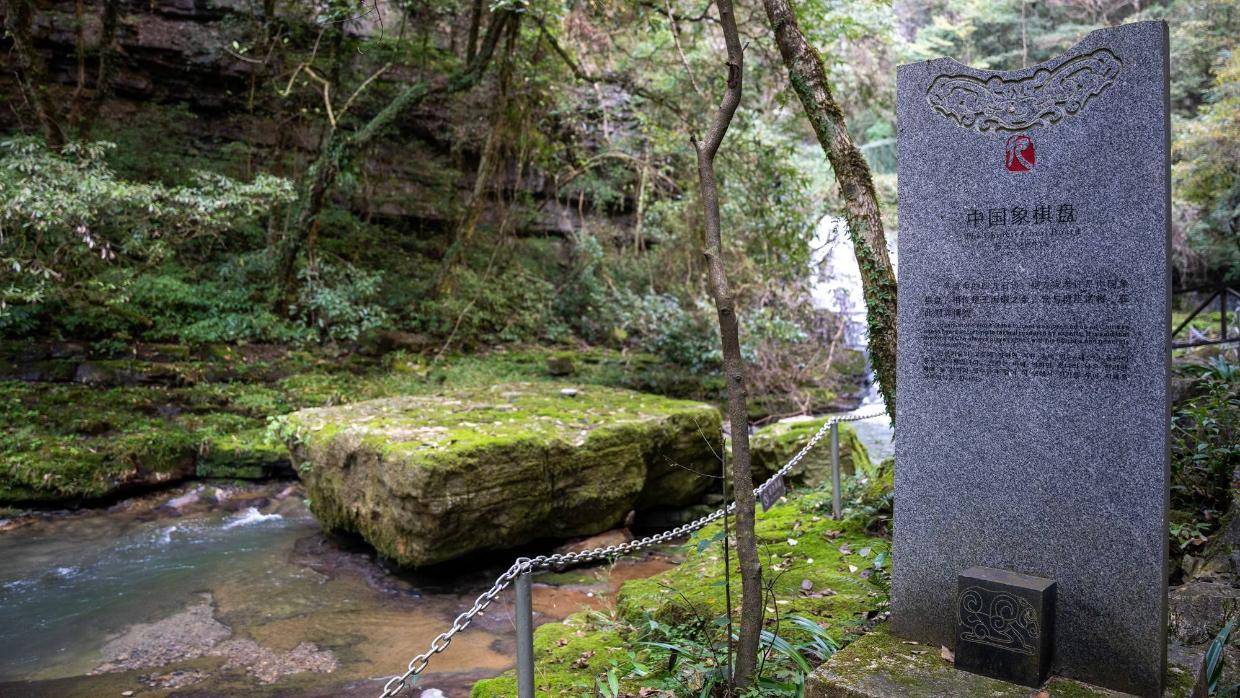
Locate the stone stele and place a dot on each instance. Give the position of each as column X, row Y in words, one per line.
column 1034, row 348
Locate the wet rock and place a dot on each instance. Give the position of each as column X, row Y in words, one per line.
column 616, row 536
column 268, row 665
column 561, row 365
column 430, row 478
column 186, row 635
column 172, row 679
column 1222, row 554
column 92, row 373
column 194, row 633
column 185, row 500
column 387, row 340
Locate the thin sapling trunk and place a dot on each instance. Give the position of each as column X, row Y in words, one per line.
column 733, row 364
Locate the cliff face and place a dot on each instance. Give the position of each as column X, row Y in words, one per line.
column 222, row 71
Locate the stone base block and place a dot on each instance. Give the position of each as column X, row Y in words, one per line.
column 880, row 665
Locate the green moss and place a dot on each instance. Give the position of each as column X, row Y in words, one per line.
column 248, row 454
column 201, row 415
column 404, row 472
column 798, row 542
column 837, row 559
column 570, row 657
column 68, row 442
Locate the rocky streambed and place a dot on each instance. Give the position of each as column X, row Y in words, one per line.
column 210, row 590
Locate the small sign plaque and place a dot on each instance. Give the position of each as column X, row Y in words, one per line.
column 771, row 494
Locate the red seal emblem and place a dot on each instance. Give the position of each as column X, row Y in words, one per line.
column 1019, row 155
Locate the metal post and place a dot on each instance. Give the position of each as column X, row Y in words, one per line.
column 835, row 470
column 1222, row 303
column 525, row 634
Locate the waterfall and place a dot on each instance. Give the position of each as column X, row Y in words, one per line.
column 837, row 288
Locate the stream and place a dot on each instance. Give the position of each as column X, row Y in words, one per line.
column 209, row 590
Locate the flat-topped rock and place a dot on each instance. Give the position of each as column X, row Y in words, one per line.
column 775, row 445
column 880, row 665
column 426, row 479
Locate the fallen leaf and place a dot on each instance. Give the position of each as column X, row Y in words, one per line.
column 807, row 585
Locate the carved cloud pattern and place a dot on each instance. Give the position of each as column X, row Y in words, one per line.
column 1046, row 97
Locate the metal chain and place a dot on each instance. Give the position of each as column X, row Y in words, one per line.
column 525, row 565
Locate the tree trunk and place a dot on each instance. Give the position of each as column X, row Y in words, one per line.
column 18, row 15
column 865, row 224
column 475, row 19
column 84, row 119
column 733, row 364
column 340, row 148
column 488, row 167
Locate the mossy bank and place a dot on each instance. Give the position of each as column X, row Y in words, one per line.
column 830, row 572
column 75, row 428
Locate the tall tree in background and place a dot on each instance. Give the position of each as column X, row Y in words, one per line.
column 59, row 118
column 865, row 223
column 733, row 363
column 341, row 147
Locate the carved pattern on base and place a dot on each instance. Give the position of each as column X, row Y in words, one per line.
column 998, row 619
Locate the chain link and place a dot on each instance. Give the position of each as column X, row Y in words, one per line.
column 525, row 565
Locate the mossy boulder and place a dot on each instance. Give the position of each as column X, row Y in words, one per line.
column 773, row 446
column 561, row 364
column 430, row 478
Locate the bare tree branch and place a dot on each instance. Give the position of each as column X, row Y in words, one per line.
column 18, row 15
column 621, row 80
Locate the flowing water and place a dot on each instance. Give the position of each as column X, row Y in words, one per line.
column 837, row 288
column 207, row 591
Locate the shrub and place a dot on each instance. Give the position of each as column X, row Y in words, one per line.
column 1205, row 450
column 340, row 300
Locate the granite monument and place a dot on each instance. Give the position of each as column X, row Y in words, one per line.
column 1034, row 348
